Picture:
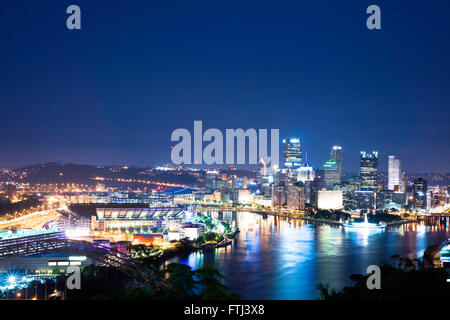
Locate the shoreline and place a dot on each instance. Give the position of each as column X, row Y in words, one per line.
column 338, row 223
column 169, row 254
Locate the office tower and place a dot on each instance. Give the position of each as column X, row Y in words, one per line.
column 261, row 171
column 292, row 152
column 383, row 200
column 279, row 188
column 279, row 196
column 239, row 183
column 394, row 173
column 337, row 156
column 211, row 180
column 317, row 184
column 319, row 180
column 266, row 186
column 419, row 189
column 369, row 170
column 331, row 175
column 419, row 185
column 296, row 197
column 365, row 200
column 305, row 172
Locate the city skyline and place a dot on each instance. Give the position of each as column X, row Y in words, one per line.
column 91, row 96
column 384, row 164
column 217, row 156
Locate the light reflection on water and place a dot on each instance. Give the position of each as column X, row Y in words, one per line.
column 276, row 258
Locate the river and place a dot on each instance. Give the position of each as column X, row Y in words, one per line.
column 278, row 258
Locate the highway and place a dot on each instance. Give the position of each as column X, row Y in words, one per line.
column 31, row 221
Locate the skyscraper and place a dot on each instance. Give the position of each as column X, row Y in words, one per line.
column 419, row 189
column 211, row 180
column 369, row 171
column 292, row 152
column 394, row 173
column 261, row 171
column 305, row 172
column 295, row 197
column 337, row 156
column 330, row 172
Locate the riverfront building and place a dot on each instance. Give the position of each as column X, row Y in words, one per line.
column 330, row 199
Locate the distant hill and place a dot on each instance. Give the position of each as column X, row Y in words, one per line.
column 86, row 174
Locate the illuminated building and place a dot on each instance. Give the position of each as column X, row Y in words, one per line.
column 336, row 155
column 329, row 199
column 266, row 186
column 279, row 188
column 314, row 186
column 239, row 183
column 389, row 199
column 394, row 173
column 261, row 200
column 419, row 190
column 305, row 172
column 261, row 171
column 193, row 231
column 148, row 238
column 369, row 171
column 211, row 180
column 116, row 218
column 295, row 197
column 279, row 195
column 292, row 152
column 243, row 196
column 306, row 176
column 331, row 175
column 365, row 200
column 347, row 189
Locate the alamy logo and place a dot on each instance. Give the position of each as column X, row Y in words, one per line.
column 374, row 280
column 374, row 20
column 74, row 280
column 74, row 20
column 235, row 153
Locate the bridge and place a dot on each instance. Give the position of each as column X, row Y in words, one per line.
column 251, row 207
column 57, row 242
column 442, row 211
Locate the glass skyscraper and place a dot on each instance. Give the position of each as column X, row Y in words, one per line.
column 331, row 175
column 394, row 173
column 337, row 156
column 369, row 171
column 292, row 152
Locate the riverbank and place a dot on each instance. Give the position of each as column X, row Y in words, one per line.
column 330, row 222
column 339, row 223
column 398, row 223
column 184, row 248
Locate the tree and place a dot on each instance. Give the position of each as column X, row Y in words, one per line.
column 404, row 279
column 181, row 282
column 211, row 284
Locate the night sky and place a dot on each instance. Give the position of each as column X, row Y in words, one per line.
column 113, row 92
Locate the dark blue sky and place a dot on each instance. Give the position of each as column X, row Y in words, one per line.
column 113, row 92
